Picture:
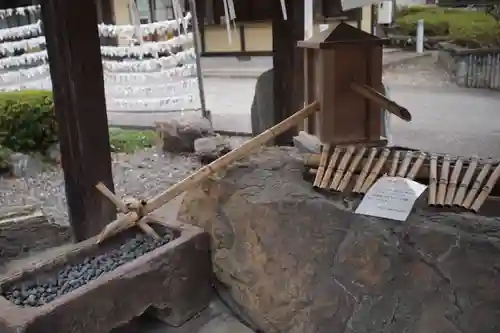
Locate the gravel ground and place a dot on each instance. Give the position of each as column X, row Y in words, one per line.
column 142, row 174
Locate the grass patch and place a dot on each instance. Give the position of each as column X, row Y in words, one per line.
column 465, row 27
column 129, row 141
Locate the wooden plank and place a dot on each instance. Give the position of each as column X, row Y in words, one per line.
column 70, row 29
column 288, row 62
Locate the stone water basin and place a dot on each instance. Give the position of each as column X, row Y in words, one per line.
column 94, row 288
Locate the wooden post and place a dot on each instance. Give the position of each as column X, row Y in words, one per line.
column 288, row 62
column 70, row 29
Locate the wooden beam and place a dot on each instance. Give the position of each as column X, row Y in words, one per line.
column 288, row 62
column 70, row 29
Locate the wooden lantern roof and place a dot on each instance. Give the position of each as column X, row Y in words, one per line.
column 336, row 33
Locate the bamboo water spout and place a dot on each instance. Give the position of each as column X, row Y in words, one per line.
column 135, row 216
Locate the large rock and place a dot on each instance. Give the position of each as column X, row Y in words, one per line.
column 299, row 262
column 178, row 135
column 262, row 110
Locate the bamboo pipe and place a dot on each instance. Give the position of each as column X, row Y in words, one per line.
column 416, row 166
column 134, row 218
column 325, row 150
column 452, row 185
column 485, row 192
column 443, row 181
column 223, row 161
column 382, row 101
column 331, row 166
column 405, row 164
column 364, row 172
column 462, row 189
column 352, row 168
column 394, row 165
column 431, row 200
column 375, row 171
column 342, row 166
column 476, row 186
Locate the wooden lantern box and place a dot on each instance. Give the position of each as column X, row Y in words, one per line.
column 343, row 71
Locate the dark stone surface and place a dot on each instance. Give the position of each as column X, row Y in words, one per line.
column 175, row 277
column 299, row 262
column 26, row 232
column 262, row 111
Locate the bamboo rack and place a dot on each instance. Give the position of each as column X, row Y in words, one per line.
column 464, row 184
column 416, row 166
column 352, row 168
column 375, row 171
column 476, row 186
column 342, row 166
column 403, row 169
column 364, row 172
column 135, row 217
column 331, row 166
column 325, row 150
column 443, row 181
column 452, row 182
column 452, row 185
column 431, row 200
column 394, row 164
column 485, row 192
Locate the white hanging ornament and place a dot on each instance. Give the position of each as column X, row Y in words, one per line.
column 24, row 74
column 151, row 65
column 183, row 71
column 283, row 10
column 24, row 31
column 128, row 30
column 147, row 48
column 151, row 91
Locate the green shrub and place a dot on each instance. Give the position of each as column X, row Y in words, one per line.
column 27, row 121
column 482, row 31
column 472, row 28
column 4, row 158
column 403, row 11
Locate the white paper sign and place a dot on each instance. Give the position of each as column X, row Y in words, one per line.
column 391, row 198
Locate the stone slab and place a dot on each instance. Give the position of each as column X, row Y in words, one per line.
column 174, row 277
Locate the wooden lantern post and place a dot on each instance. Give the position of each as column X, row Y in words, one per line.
column 70, row 29
column 344, row 74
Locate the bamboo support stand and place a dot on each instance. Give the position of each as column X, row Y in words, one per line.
column 375, row 171
column 452, row 185
column 394, row 165
column 354, row 164
column 443, row 181
column 485, row 192
column 416, row 166
column 342, row 166
column 325, row 150
column 364, row 172
column 139, row 217
column 330, row 168
column 476, row 186
column 464, row 184
column 432, row 181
